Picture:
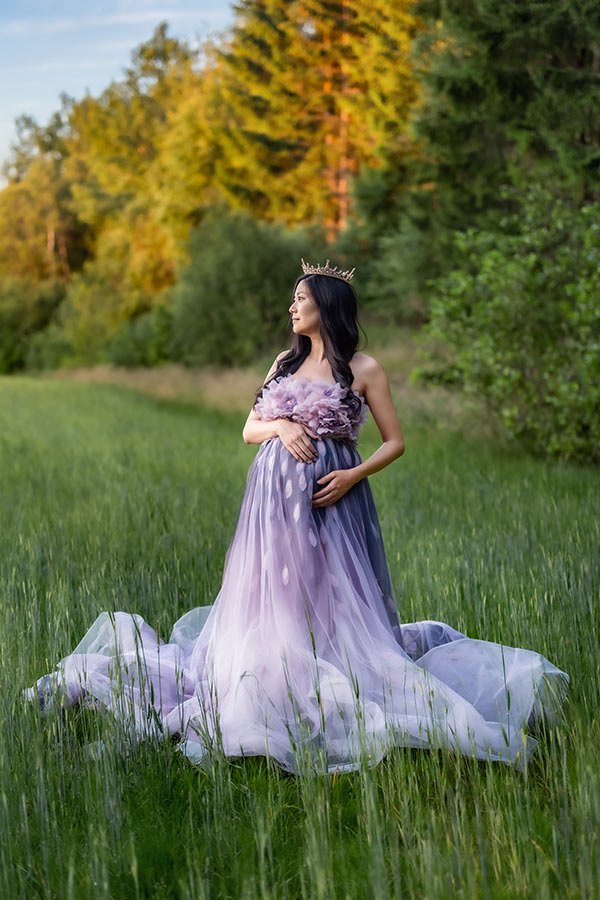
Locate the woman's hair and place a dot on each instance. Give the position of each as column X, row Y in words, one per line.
column 336, row 301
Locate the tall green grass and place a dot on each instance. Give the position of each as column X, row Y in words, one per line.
column 114, row 500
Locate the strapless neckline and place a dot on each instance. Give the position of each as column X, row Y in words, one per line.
column 317, row 381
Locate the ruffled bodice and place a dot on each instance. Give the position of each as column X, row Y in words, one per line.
column 319, row 404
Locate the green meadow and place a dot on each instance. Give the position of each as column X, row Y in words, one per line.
column 113, row 499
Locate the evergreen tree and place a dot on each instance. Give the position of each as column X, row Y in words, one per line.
column 313, row 90
column 512, row 90
column 511, row 95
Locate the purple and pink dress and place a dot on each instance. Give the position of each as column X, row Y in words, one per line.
column 301, row 656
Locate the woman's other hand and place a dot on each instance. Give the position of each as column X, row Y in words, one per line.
column 336, row 484
column 295, row 437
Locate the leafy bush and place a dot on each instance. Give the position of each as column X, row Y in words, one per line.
column 99, row 301
column 521, row 312
column 26, row 307
column 231, row 302
column 49, row 349
column 144, row 341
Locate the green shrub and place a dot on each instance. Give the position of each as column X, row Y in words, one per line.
column 231, row 302
column 521, row 313
column 26, row 308
column 98, row 302
column 144, row 341
column 49, row 349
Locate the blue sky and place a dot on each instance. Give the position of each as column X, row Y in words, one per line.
column 51, row 46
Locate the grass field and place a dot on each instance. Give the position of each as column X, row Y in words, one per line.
column 114, row 499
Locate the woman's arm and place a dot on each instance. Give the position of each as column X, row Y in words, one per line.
column 293, row 435
column 379, row 398
column 256, row 431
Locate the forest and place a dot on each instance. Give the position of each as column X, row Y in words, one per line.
column 450, row 151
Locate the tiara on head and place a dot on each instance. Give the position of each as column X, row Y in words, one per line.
column 333, row 272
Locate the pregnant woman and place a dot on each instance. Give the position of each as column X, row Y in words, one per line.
column 302, row 655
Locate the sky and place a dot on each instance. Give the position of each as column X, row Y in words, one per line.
column 52, row 46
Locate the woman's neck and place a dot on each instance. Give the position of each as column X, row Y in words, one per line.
column 316, row 354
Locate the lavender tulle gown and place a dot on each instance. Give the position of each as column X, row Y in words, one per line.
column 301, row 656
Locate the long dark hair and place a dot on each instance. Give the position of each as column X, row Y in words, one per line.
column 336, row 301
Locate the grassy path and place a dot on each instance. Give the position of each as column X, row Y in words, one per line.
column 111, row 499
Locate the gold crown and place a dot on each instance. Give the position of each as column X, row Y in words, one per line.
column 328, row 270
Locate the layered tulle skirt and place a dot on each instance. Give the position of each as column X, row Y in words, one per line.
column 301, row 657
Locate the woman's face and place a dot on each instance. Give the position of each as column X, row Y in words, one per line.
column 305, row 314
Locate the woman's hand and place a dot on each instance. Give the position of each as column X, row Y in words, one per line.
column 295, row 437
column 337, row 483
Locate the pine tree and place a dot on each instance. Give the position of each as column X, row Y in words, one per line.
column 511, row 94
column 313, row 90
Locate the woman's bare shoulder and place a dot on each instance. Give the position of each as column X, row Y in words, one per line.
column 273, row 368
column 364, row 368
column 362, row 362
